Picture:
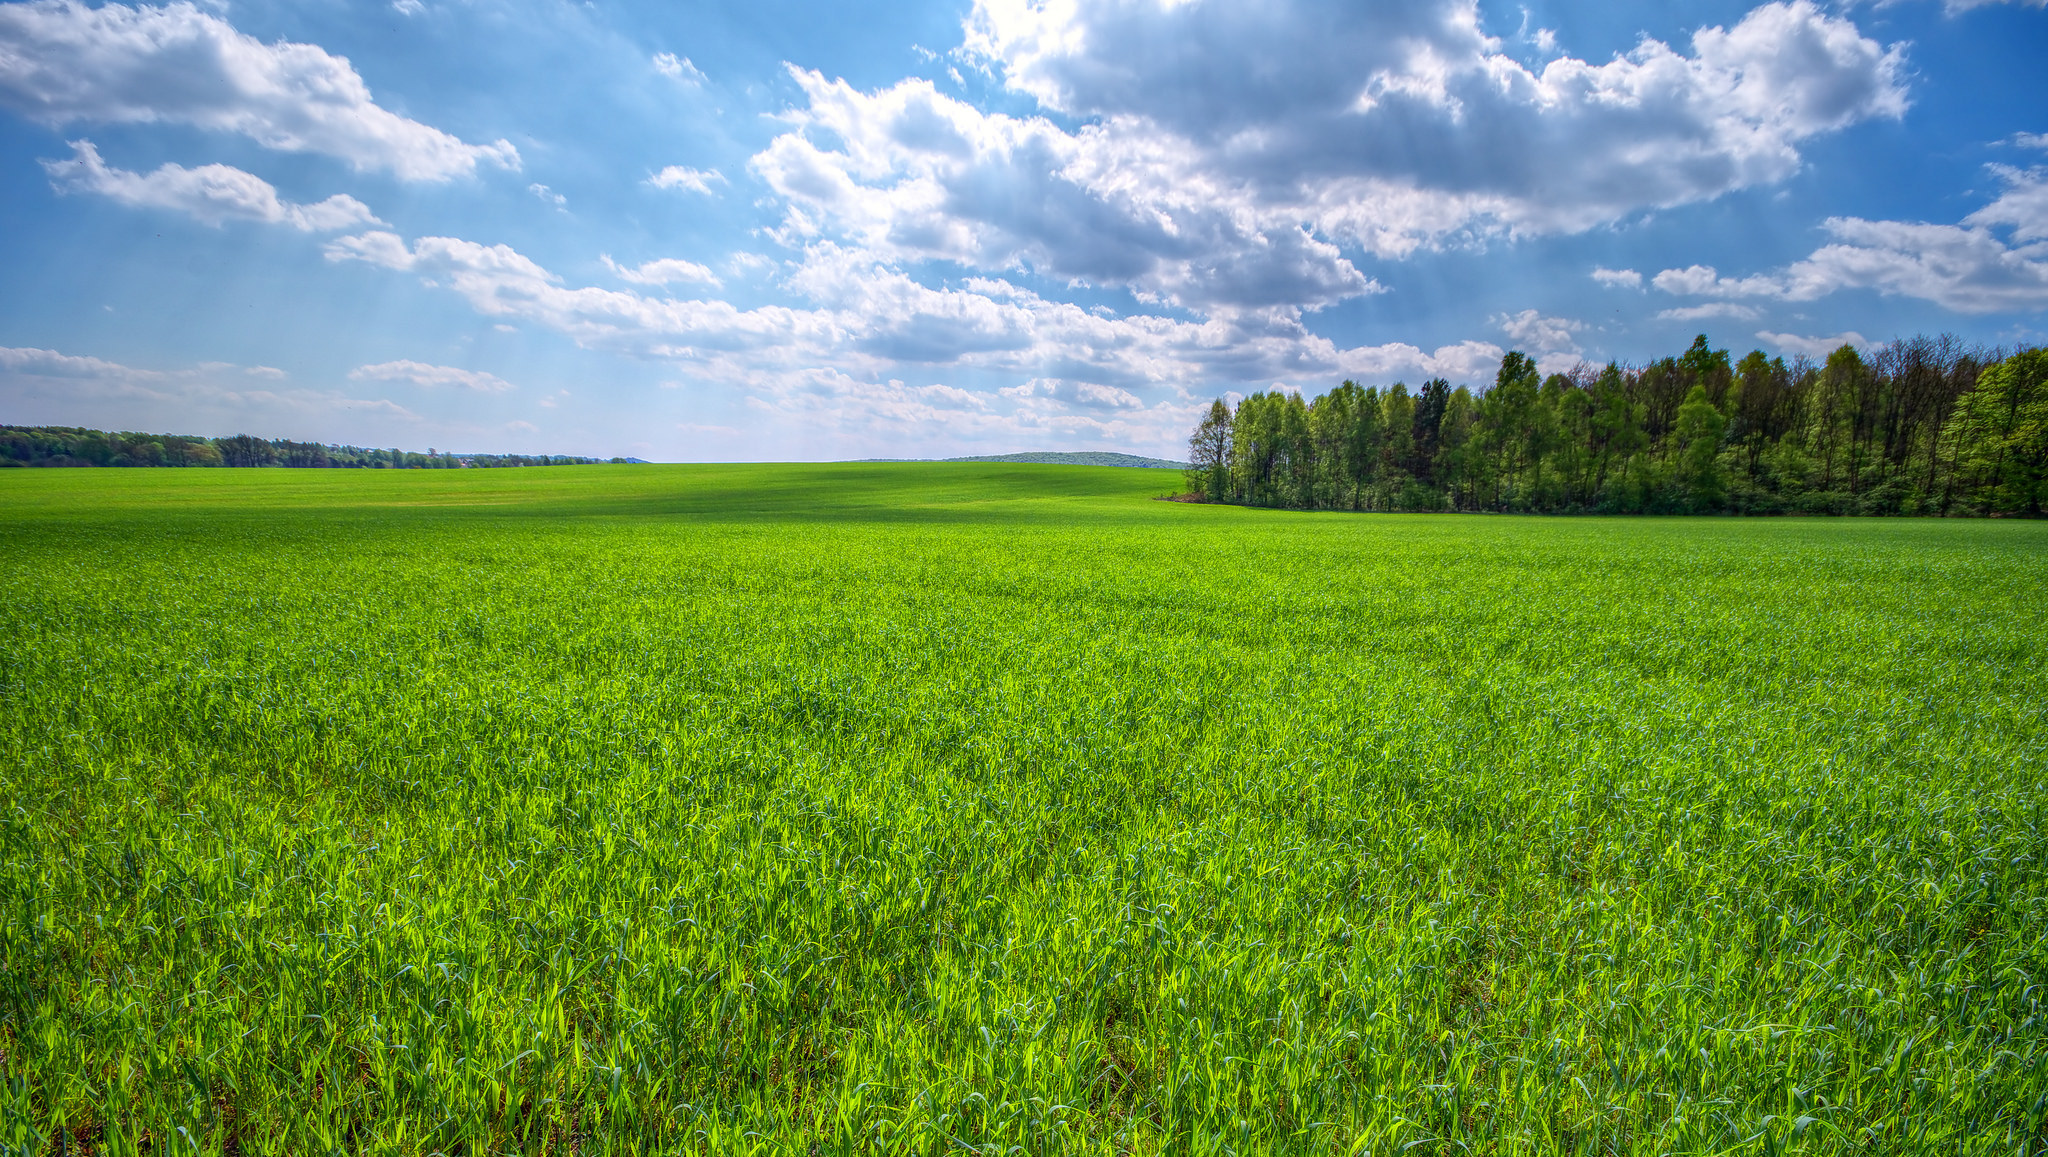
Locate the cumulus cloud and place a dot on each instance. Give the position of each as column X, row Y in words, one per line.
column 1552, row 339
column 1535, row 331
column 62, row 62
column 1994, row 260
column 432, row 377
column 681, row 177
column 211, row 194
column 1617, row 278
column 918, row 175
column 1223, row 154
column 1705, row 281
column 666, row 271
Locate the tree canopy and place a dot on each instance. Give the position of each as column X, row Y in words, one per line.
column 1925, row 425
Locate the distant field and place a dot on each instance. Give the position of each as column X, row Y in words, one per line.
column 950, row 807
column 1082, row 458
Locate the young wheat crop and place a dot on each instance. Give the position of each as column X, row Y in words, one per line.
column 942, row 808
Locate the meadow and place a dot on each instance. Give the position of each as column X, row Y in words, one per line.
column 942, row 808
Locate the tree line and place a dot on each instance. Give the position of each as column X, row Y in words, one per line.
column 73, row 446
column 1927, row 425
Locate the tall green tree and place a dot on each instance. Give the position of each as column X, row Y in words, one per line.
column 1208, row 470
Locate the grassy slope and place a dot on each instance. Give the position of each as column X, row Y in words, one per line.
column 881, row 805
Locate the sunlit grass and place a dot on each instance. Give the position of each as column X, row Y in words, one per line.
column 910, row 808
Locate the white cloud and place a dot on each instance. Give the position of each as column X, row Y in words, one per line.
column 1085, row 394
column 1225, row 153
column 2022, row 208
column 918, row 175
column 1706, row 281
column 678, row 68
column 1617, row 278
column 681, row 177
column 408, row 7
column 1813, row 347
column 1547, row 334
column 431, row 376
column 666, row 271
column 210, row 193
column 549, row 195
column 46, row 386
column 1967, row 267
column 51, row 364
column 61, row 62
column 869, row 326
column 1389, row 126
column 2031, row 140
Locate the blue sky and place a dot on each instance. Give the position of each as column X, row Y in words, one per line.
column 779, row 230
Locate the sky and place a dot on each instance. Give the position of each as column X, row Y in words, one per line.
column 779, row 230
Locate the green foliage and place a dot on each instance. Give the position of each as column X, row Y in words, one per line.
column 1911, row 431
column 72, row 446
column 2002, row 436
column 934, row 808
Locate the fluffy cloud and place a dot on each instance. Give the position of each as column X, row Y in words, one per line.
column 666, row 271
column 1706, row 281
column 1087, row 395
column 1226, row 152
column 1535, row 331
column 1967, row 267
column 430, row 376
column 693, row 180
column 869, row 322
column 1212, row 133
column 61, row 63
column 210, row 193
column 1617, row 278
column 917, row 175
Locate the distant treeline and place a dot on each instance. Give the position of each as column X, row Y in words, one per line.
column 71, row 446
column 1924, row 426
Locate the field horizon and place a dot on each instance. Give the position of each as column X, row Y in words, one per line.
column 929, row 807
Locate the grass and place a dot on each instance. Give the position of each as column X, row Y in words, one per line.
column 947, row 807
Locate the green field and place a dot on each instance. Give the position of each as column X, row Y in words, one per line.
column 940, row 808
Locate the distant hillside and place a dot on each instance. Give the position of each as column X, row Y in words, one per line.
column 1081, row 458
